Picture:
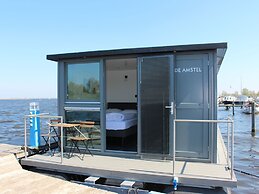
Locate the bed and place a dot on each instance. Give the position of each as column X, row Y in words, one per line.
column 121, row 122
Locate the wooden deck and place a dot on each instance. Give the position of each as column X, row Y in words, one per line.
column 143, row 170
column 14, row 179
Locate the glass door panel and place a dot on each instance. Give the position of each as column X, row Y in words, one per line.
column 154, row 97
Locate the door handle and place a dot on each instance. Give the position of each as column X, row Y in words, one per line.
column 171, row 107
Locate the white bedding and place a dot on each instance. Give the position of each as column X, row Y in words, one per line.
column 120, row 125
column 120, row 116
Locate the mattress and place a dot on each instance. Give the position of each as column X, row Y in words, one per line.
column 118, row 115
column 120, row 125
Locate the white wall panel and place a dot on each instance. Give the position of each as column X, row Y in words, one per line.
column 120, row 88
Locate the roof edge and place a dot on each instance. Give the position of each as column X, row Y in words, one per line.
column 140, row 50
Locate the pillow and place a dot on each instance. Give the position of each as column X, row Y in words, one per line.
column 130, row 111
column 113, row 110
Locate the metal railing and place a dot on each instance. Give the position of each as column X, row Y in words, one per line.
column 42, row 116
column 229, row 122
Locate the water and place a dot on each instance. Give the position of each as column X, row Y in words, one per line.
column 246, row 150
column 246, row 147
column 12, row 118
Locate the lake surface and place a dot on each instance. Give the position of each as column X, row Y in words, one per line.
column 246, row 155
column 246, row 147
column 12, row 117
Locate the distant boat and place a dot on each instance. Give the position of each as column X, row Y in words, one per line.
column 248, row 108
column 229, row 100
column 242, row 99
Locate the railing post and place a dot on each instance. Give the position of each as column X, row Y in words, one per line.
column 25, row 138
column 253, row 119
column 61, row 140
column 233, row 108
column 174, row 149
column 232, row 150
column 228, row 142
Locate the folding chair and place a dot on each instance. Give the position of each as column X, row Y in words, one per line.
column 75, row 140
column 93, row 132
column 74, row 145
column 51, row 138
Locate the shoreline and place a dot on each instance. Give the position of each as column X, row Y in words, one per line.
column 28, row 98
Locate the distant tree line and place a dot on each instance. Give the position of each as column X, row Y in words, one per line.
column 244, row 91
column 87, row 90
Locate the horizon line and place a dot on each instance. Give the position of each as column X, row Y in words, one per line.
column 28, row 98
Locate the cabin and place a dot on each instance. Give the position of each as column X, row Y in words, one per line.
column 156, row 85
column 134, row 99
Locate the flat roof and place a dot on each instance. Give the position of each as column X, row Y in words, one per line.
column 219, row 47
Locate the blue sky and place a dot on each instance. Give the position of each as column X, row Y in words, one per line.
column 32, row 29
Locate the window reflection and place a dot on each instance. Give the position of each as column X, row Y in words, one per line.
column 89, row 125
column 83, row 81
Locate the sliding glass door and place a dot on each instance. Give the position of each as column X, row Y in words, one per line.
column 156, row 95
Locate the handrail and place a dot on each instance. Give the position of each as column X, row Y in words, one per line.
column 45, row 116
column 229, row 121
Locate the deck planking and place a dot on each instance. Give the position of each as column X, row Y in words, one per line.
column 143, row 170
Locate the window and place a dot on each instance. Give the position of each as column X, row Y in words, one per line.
column 77, row 116
column 83, row 81
column 92, row 131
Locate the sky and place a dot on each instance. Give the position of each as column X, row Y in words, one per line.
column 29, row 30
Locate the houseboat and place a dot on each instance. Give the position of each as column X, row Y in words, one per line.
column 152, row 113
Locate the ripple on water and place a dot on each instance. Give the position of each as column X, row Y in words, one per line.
column 18, row 126
column 7, row 121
